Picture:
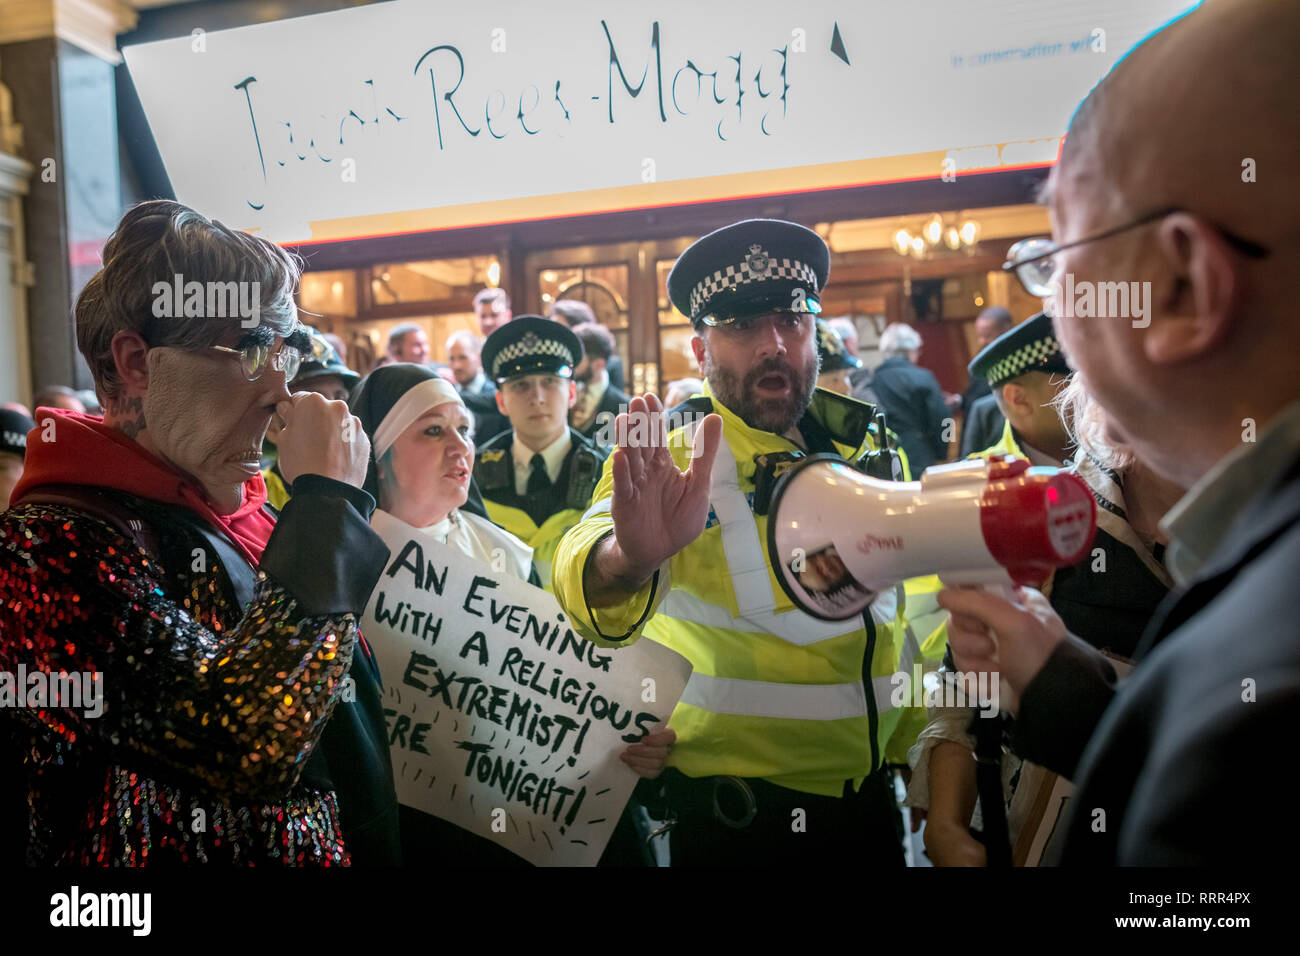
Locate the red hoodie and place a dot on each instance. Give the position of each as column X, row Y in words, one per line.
column 88, row 452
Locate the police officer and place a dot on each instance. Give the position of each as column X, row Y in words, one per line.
column 834, row 360
column 1026, row 371
column 537, row 476
column 14, row 426
column 787, row 726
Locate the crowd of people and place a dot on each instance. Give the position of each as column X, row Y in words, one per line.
column 208, row 542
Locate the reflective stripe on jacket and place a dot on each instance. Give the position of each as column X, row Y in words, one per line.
column 774, row 693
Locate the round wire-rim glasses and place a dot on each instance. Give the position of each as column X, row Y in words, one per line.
column 1032, row 260
column 256, row 356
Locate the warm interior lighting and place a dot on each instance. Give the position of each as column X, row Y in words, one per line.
column 934, row 230
column 494, row 274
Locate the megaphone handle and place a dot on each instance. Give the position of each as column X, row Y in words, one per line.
column 988, row 767
column 1006, row 592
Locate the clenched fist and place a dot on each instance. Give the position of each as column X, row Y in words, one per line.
column 320, row 437
column 989, row 633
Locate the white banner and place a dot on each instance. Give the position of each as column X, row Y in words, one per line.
column 419, row 115
column 502, row 720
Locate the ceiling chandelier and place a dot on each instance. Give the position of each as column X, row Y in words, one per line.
column 919, row 244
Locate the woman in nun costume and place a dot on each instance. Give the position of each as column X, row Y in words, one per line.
column 422, row 462
column 421, row 474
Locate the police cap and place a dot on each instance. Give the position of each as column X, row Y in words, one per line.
column 531, row 345
column 750, row 268
column 1031, row 346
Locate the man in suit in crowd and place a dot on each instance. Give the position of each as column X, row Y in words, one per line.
column 408, row 342
column 983, row 421
column 598, row 400
column 573, row 313
column 464, row 357
column 492, row 306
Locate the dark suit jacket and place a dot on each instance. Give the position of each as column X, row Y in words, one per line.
column 488, row 421
column 614, row 366
column 488, row 389
column 1210, row 708
column 982, row 427
column 977, row 389
column 914, row 409
column 611, row 403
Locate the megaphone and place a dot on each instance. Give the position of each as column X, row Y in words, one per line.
column 837, row 538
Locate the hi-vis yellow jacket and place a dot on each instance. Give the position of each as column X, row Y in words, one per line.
column 541, row 522
column 277, row 492
column 1006, row 445
column 775, row 693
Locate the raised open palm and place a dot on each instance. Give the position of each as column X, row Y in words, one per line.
column 657, row 508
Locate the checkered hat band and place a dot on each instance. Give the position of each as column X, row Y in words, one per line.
column 522, row 348
column 738, row 275
column 1024, row 359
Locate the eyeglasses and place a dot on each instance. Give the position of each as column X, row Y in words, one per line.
column 254, row 358
column 1033, row 259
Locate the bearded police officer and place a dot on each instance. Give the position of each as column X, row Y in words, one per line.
column 786, row 727
column 537, row 476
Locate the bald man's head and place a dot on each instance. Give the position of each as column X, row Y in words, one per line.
column 1201, row 120
column 1174, row 121
column 463, row 355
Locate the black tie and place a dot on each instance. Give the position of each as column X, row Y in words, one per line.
column 539, row 482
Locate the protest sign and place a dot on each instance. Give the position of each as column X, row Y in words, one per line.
column 502, row 720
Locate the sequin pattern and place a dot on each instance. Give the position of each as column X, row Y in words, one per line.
column 209, row 714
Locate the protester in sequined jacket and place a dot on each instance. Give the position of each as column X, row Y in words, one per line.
column 230, row 711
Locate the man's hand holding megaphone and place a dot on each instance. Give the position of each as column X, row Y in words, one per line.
column 657, row 508
column 989, row 633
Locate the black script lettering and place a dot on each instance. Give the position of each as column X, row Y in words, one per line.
column 477, row 642
column 473, row 594
column 416, row 666
column 437, row 115
column 644, row 724
column 614, row 64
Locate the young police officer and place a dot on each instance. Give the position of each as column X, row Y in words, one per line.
column 536, row 477
column 786, row 727
column 1026, row 371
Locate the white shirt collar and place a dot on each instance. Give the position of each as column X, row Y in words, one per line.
column 1202, row 518
column 470, row 534
column 553, row 454
column 475, row 386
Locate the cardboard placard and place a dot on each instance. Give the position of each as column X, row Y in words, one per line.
column 502, row 720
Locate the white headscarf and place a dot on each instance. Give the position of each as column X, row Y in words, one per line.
column 414, row 402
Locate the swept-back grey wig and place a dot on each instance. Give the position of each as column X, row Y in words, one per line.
column 157, row 241
column 1085, row 422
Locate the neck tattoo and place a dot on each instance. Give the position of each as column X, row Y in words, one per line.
column 128, row 414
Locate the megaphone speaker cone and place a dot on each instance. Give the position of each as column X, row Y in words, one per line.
column 836, row 538
column 808, row 565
